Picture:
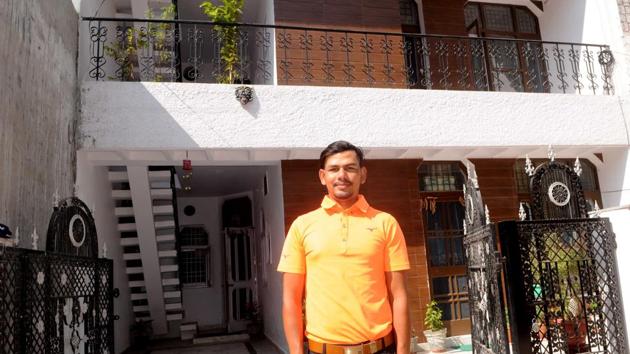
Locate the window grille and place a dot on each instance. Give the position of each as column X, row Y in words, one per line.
column 451, row 293
column 193, row 236
column 440, row 177
column 194, row 266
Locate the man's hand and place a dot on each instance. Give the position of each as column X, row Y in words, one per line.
column 292, row 292
column 397, row 289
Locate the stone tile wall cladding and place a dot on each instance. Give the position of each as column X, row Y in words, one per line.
column 38, row 114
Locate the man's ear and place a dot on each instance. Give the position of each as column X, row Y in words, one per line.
column 321, row 177
column 363, row 175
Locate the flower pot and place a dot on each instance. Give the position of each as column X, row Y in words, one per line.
column 436, row 340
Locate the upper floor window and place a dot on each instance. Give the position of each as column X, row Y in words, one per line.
column 440, row 177
column 494, row 20
column 409, row 13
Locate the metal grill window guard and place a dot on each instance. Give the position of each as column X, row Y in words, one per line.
column 207, row 52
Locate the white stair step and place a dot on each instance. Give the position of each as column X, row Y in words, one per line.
column 121, row 194
column 123, row 211
column 131, row 256
column 161, row 193
column 175, row 306
column 171, row 253
column 127, row 227
column 134, row 270
column 165, row 238
column 172, row 281
column 143, row 308
column 169, row 268
column 139, row 296
column 129, row 241
column 118, row 176
column 159, row 175
column 174, row 317
column 136, row 284
column 222, row 339
column 167, row 224
column 189, row 326
column 163, row 210
column 172, row 294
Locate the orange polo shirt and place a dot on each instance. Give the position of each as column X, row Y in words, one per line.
column 345, row 254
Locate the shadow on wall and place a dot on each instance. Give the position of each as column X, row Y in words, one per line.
column 127, row 115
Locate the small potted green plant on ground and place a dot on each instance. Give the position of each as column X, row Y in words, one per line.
column 435, row 332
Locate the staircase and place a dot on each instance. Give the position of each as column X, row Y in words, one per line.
column 147, row 226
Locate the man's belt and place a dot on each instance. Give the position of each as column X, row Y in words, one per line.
column 363, row 348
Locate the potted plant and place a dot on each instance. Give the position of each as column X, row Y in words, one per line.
column 435, row 332
column 229, row 12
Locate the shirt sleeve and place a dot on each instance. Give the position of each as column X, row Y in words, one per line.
column 292, row 259
column 396, row 257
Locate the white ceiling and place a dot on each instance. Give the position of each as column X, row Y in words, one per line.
column 212, row 181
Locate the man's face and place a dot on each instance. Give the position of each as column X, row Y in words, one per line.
column 343, row 176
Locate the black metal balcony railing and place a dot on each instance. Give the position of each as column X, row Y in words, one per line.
column 197, row 51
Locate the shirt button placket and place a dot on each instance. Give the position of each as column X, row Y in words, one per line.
column 344, row 232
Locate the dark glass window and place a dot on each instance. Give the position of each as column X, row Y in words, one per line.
column 408, row 12
column 194, row 266
column 445, row 234
column 440, row 177
column 451, row 293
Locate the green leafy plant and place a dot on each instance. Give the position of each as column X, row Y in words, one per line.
column 229, row 12
column 133, row 39
column 433, row 317
column 157, row 32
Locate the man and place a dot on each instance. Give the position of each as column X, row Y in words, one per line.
column 346, row 258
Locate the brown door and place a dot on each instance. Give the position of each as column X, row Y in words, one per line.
column 445, row 252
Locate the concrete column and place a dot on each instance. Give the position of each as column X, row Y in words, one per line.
column 145, row 227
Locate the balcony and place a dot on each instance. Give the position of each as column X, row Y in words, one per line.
column 206, row 52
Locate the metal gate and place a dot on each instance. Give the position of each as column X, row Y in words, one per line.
column 558, row 268
column 484, row 263
column 52, row 302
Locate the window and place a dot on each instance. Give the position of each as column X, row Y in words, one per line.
column 506, row 65
column 441, row 183
column 194, row 256
column 445, row 235
column 451, row 293
column 440, row 177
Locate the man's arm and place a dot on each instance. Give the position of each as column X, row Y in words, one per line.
column 397, row 288
column 292, row 292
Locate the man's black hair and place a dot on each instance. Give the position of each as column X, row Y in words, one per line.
column 337, row 147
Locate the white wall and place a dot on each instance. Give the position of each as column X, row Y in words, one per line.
column 95, row 190
column 165, row 115
column 206, row 306
column 620, row 220
column 588, row 21
column 271, row 294
column 614, row 178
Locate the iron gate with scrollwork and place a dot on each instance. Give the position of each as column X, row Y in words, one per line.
column 484, row 264
column 558, row 268
column 54, row 302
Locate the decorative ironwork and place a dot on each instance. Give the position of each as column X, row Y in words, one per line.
column 148, row 50
column 565, row 294
column 557, row 193
column 52, row 302
column 489, row 334
column 72, row 230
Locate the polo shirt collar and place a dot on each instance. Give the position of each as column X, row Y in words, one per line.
column 361, row 204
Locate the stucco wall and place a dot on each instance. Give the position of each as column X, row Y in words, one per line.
column 171, row 115
column 95, row 189
column 205, row 305
column 38, row 98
